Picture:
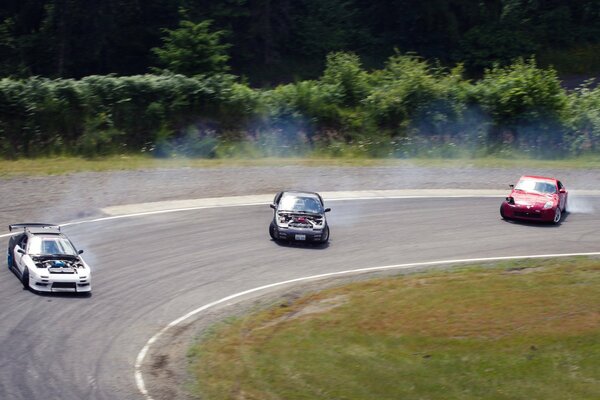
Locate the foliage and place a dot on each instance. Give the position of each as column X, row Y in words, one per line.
column 409, row 92
column 192, row 49
column 526, row 104
column 409, row 108
column 282, row 41
column 584, row 112
column 345, row 77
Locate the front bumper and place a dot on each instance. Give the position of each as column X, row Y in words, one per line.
column 60, row 284
column 531, row 213
column 299, row 235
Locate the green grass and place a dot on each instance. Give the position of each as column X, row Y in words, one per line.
column 519, row 330
column 66, row 165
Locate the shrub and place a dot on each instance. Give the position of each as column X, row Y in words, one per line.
column 584, row 119
column 527, row 106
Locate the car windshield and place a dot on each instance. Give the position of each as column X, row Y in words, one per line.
column 51, row 245
column 530, row 185
column 300, row 204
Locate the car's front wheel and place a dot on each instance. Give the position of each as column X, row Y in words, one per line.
column 25, row 279
column 502, row 215
column 272, row 231
column 557, row 216
column 325, row 236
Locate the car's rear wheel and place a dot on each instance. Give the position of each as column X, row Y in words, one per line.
column 557, row 216
column 25, row 279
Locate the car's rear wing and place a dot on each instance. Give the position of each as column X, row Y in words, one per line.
column 27, row 225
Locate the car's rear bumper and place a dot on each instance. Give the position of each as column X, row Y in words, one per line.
column 514, row 211
column 299, row 235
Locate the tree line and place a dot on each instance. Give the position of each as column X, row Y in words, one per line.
column 409, row 107
column 270, row 42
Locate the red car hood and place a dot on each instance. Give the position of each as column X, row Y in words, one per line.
column 532, row 199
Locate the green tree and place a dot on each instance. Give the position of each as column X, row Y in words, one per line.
column 193, row 49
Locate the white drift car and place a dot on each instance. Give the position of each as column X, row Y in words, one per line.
column 45, row 260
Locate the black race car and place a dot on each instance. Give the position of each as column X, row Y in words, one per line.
column 299, row 216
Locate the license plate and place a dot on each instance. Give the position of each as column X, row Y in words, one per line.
column 300, row 237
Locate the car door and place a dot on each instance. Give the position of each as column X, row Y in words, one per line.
column 18, row 256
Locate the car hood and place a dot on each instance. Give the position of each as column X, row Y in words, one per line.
column 532, row 199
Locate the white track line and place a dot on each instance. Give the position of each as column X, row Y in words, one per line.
column 139, row 379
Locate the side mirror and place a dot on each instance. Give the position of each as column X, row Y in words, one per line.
column 80, row 252
column 511, row 186
column 563, row 190
column 327, row 209
column 273, row 206
column 21, row 251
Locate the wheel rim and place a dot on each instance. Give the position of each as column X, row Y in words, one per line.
column 557, row 215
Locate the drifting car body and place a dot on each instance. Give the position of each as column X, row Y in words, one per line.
column 299, row 216
column 535, row 198
column 45, row 260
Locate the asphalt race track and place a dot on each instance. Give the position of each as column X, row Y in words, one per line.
column 150, row 270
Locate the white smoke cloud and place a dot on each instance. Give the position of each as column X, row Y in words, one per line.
column 578, row 204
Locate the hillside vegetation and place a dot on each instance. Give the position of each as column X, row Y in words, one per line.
column 410, row 107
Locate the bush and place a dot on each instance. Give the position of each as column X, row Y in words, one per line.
column 584, row 119
column 409, row 108
column 527, row 107
column 411, row 95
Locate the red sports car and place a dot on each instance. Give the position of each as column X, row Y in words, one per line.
column 535, row 198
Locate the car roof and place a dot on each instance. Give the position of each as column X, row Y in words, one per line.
column 539, row 178
column 300, row 193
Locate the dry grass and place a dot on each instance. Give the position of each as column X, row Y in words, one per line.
column 66, row 165
column 521, row 330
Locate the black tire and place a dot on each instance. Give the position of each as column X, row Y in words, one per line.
column 9, row 255
column 504, row 217
column 272, row 231
column 25, row 279
column 325, row 237
column 557, row 216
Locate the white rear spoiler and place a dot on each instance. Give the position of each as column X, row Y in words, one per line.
column 24, row 226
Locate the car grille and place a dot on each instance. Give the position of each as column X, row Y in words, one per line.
column 63, row 285
column 527, row 214
column 299, row 225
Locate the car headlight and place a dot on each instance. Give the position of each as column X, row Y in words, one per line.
column 548, row 205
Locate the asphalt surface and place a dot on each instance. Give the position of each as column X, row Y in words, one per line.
column 149, row 270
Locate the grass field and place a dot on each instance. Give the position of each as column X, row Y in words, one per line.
column 518, row 330
column 66, row 165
